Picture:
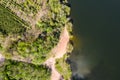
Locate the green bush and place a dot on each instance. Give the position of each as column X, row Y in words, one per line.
column 37, row 50
column 63, row 68
column 13, row 70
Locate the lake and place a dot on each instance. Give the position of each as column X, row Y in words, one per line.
column 96, row 29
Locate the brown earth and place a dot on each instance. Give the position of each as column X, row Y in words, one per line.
column 58, row 52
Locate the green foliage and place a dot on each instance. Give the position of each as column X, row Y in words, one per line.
column 30, row 6
column 27, row 6
column 38, row 50
column 63, row 67
column 9, row 23
column 0, row 47
column 13, row 70
column 49, row 28
column 59, row 11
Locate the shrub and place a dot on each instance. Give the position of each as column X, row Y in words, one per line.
column 13, row 70
column 63, row 67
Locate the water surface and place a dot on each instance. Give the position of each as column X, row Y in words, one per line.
column 96, row 31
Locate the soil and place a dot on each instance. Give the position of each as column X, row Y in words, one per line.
column 58, row 52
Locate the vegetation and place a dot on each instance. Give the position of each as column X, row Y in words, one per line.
column 13, row 70
column 27, row 37
column 27, row 6
column 30, row 43
column 9, row 23
column 37, row 50
column 63, row 68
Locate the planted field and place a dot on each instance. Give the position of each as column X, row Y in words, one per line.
column 9, row 22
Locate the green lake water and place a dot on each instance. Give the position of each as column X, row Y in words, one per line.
column 96, row 29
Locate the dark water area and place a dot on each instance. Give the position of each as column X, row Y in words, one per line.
column 96, row 28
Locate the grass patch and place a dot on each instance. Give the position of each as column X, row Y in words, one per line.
column 63, row 68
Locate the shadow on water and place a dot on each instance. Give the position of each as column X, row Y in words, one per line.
column 96, row 31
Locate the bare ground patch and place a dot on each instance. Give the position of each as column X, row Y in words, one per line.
column 58, row 52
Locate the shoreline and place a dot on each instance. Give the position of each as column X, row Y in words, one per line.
column 59, row 51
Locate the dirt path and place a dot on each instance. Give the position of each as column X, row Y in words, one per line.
column 1, row 58
column 58, row 52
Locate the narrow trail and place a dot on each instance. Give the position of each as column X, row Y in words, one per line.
column 1, row 58
column 58, row 52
